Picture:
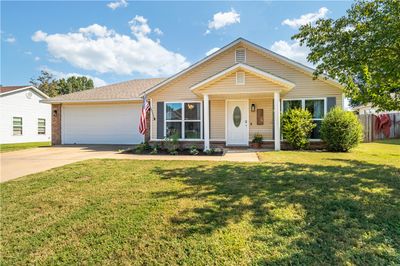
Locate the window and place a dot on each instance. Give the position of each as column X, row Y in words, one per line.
column 41, row 126
column 317, row 110
column 240, row 78
column 17, row 126
column 183, row 120
column 315, row 106
column 240, row 56
column 291, row 104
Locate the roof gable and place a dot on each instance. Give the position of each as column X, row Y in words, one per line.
column 244, row 67
column 16, row 89
column 245, row 43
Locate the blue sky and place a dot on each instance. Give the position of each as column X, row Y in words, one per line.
column 113, row 41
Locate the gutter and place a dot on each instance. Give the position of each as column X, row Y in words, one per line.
column 55, row 101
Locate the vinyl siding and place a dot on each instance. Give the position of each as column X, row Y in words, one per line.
column 217, row 119
column 252, row 84
column 267, row 128
column 178, row 90
column 305, row 87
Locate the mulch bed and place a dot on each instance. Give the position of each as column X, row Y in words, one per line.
column 179, row 152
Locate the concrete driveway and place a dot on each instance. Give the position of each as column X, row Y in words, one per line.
column 20, row 163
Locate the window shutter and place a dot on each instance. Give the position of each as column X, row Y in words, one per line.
column 160, row 120
column 240, row 56
column 330, row 103
column 240, row 78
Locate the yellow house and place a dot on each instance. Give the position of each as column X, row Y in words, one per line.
column 224, row 99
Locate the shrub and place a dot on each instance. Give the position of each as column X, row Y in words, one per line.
column 341, row 130
column 193, row 150
column 142, row 147
column 171, row 144
column 257, row 138
column 297, row 126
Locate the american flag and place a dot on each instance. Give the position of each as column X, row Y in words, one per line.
column 143, row 122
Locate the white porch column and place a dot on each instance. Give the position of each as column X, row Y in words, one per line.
column 206, row 121
column 277, row 121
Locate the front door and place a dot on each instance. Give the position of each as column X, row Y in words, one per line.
column 237, row 124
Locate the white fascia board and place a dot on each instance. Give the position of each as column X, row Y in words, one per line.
column 91, row 101
column 26, row 88
column 254, row 70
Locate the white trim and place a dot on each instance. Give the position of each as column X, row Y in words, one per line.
column 91, row 101
column 247, row 101
column 305, row 69
column 26, row 88
column 303, row 106
column 266, row 75
column 183, row 119
column 244, row 78
column 277, row 122
column 343, row 100
column 206, row 118
column 245, row 55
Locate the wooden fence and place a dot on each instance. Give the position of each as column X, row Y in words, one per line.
column 370, row 134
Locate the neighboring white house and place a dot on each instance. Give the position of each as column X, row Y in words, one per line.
column 23, row 118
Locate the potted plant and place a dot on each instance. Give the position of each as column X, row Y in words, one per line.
column 257, row 140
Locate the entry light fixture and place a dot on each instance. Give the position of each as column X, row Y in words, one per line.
column 253, row 107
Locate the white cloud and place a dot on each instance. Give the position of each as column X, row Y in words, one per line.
column 223, row 19
column 139, row 26
column 211, row 51
column 306, row 18
column 37, row 58
column 117, row 4
column 28, row 52
column 103, row 50
column 39, row 36
column 11, row 39
column 292, row 50
column 98, row 82
column 158, row 31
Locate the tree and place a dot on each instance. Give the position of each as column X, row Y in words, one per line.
column 361, row 50
column 47, row 83
column 74, row 84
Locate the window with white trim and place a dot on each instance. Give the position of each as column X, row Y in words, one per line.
column 183, row 120
column 240, row 78
column 41, row 126
column 17, row 126
column 240, row 55
column 316, row 107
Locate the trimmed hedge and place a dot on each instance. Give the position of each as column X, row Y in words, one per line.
column 297, row 126
column 341, row 130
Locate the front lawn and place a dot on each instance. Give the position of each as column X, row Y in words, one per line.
column 294, row 208
column 23, row 146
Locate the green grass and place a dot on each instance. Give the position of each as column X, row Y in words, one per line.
column 301, row 208
column 23, row 146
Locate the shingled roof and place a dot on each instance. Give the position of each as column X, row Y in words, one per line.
column 127, row 90
column 11, row 88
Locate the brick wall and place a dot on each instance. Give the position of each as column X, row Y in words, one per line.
column 56, row 124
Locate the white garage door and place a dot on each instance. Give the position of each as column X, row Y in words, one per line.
column 101, row 124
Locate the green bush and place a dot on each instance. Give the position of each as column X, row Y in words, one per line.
column 171, row 144
column 297, row 126
column 341, row 130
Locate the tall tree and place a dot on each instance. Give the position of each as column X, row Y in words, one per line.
column 47, row 83
column 73, row 84
column 361, row 50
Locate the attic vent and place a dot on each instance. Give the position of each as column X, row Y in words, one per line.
column 240, row 55
column 240, row 78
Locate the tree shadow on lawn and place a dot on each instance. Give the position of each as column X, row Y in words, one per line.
column 318, row 214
